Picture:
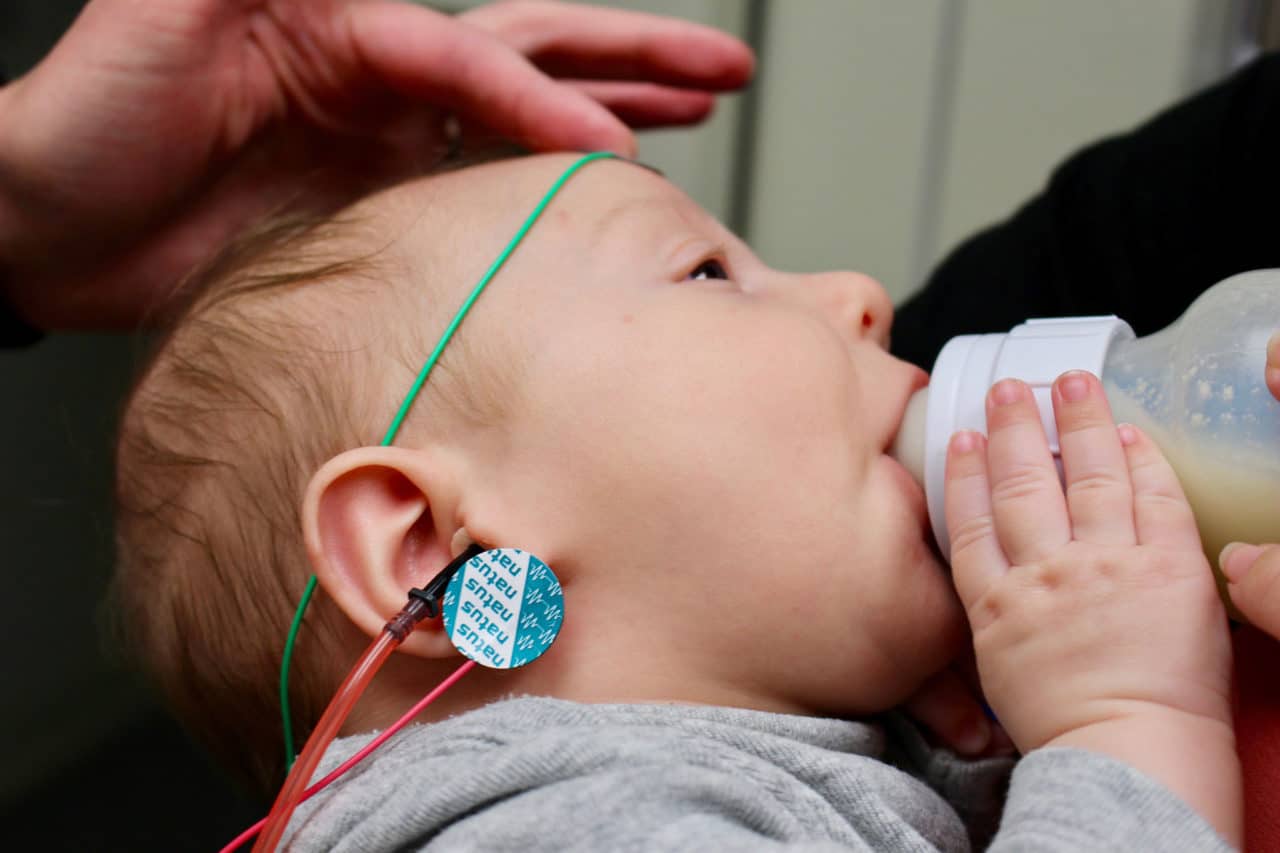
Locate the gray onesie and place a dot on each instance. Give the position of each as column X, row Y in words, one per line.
column 534, row 774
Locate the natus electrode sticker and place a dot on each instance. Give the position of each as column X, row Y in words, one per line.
column 503, row 608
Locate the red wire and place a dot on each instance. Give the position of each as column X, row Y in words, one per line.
column 378, row 741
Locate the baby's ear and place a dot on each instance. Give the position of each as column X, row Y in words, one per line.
column 378, row 521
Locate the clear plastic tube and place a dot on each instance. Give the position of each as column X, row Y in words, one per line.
column 326, row 730
column 378, row 741
column 422, row 603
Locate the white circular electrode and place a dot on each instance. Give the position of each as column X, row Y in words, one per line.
column 503, row 608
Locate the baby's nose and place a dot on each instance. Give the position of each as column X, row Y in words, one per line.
column 855, row 303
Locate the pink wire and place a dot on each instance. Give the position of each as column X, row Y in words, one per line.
column 364, row 751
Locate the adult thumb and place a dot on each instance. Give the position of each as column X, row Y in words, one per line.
column 1253, row 582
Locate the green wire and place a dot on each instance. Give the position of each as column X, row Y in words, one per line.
column 287, row 715
column 400, row 415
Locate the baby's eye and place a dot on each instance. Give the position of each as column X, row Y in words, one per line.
column 708, row 269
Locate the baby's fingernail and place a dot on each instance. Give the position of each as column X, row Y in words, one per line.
column 973, row 736
column 1006, row 391
column 1128, row 434
column 1074, row 386
column 1236, row 559
column 964, row 441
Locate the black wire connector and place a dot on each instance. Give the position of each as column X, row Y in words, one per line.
column 424, row 603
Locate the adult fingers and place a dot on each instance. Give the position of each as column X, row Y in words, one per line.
column 1253, row 582
column 433, row 58
column 1026, row 496
column 1161, row 514
column 638, row 105
column 977, row 560
column 570, row 40
column 643, row 105
column 1099, row 494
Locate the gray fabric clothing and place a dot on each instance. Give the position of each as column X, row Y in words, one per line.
column 534, row 774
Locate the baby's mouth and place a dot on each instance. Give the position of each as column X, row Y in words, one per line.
column 922, row 512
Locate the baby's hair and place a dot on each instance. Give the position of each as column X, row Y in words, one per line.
column 296, row 344
column 218, row 439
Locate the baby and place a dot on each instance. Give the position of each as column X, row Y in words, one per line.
column 696, row 444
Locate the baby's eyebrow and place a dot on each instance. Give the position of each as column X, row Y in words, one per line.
column 629, row 209
column 620, row 212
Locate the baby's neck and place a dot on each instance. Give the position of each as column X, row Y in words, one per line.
column 405, row 680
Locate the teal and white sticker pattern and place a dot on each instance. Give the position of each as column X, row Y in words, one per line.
column 503, row 608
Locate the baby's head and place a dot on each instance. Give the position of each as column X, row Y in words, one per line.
column 693, row 441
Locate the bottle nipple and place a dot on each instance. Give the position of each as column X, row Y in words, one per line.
column 908, row 446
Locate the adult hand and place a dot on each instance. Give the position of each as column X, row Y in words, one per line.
column 1253, row 571
column 156, row 129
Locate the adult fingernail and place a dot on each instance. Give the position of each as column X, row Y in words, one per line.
column 1236, row 559
column 606, row 133
column 1006, row 391
column 624, row 143
column 1074, row 386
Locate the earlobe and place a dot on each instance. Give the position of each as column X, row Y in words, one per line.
column 378, row 521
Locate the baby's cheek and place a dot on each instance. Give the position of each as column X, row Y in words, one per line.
column 919, row 608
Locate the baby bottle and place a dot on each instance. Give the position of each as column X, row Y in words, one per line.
column 1197, row 388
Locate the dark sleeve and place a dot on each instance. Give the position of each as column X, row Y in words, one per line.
column 1137, row 225
column 13, row 331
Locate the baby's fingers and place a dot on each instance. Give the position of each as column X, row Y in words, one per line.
column 1161, row 514
column 1253, row 582
column 1026, row 494
column 1099, row 491
column 977, row 559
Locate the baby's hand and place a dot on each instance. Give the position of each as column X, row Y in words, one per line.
column 1095, row 618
